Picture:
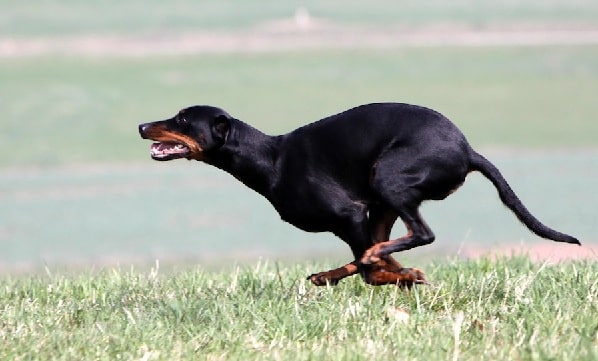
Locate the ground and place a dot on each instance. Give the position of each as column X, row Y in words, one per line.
column 540, row 252
column 296, row 35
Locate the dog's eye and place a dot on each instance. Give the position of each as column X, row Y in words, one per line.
column 182, row 121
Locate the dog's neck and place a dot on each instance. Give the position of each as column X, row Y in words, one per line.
column 249, row 155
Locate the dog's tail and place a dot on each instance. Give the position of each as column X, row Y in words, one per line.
column 510, row 199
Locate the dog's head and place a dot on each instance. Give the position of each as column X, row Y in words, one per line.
column 189, row 134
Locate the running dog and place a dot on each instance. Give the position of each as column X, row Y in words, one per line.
column 353, row 174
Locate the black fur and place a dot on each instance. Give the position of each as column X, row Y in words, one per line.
column 351, row 174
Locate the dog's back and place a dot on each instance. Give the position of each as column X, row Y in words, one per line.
column 351, row 142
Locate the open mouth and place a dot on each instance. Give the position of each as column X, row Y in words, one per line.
column 169, row 150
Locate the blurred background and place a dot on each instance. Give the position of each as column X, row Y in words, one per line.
column 79, row 190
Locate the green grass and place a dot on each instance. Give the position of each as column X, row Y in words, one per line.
column 59, row 17
column 506, row 309
column 65, row 110
column 78, row 216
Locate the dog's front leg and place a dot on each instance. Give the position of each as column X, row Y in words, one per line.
column 332, row 277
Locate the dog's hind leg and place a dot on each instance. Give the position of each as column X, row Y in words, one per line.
column 387, row 270
column 360, row 228
column 402, row 180
column 381, row 220
column 383, row 272
column 418, row 234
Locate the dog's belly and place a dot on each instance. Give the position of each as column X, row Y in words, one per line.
column 318, row 209
column 308, row 222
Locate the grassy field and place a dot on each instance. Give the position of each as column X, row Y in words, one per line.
column 59, row 18
column 181, row 212
column 73, row 110
column 505, row 309
column 79, row 195
column 81, row 188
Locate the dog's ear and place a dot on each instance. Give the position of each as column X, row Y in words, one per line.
column 221, row 127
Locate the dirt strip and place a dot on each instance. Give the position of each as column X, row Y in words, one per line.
column 549, row 251
column 286, row 38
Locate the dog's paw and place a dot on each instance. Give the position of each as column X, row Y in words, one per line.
column 413, row 276
column 322, row 279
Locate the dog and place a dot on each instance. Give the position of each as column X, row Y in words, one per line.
column 353, row 174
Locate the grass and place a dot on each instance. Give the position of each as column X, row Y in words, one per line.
column 61, row 110
column 182, row 211
column 65, row 111
column 504, row 309
column 59, row 17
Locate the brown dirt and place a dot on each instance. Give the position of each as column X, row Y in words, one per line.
column 550, row 252
column 293, row 34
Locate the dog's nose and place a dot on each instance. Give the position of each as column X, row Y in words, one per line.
column 142, row 129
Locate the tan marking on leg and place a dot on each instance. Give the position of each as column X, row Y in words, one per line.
column 333, row 276
column 405, row 277
column 374, row 253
